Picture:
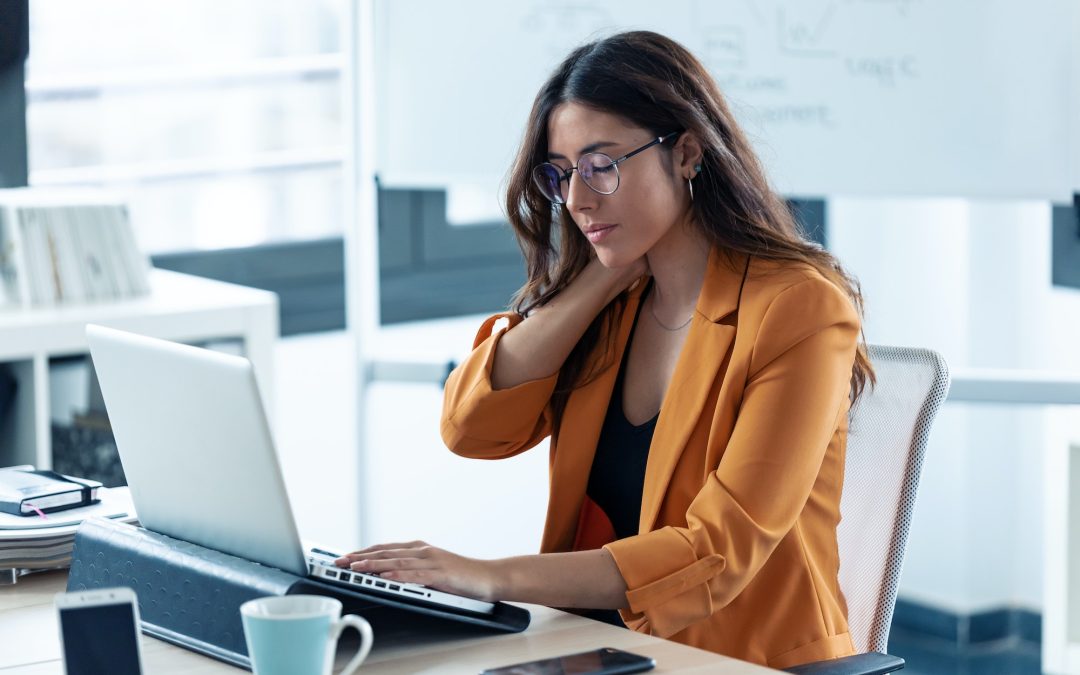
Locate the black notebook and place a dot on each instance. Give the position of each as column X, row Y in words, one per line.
column 25, row 491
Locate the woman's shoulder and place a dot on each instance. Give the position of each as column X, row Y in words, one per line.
column 769, row 278
column 791, row 285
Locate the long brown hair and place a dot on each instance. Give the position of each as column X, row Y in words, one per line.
column 656, row 84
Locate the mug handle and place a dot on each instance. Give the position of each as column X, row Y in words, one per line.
column 364, row 628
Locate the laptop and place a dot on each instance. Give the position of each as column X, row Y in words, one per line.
column 200, row 462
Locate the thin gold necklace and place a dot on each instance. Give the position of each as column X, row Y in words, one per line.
column 652, row 310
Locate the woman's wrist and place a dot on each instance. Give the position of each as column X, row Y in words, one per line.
column 611, row 281
column 499, row 574
column 579, row 579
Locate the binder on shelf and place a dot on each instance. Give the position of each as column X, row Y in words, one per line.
column 62, row 247
column 65, row 232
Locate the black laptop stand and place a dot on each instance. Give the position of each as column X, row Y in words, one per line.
column 191, row 596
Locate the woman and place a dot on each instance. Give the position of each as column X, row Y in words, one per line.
column 691, row 357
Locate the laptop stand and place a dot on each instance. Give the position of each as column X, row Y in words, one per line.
column 191, row 596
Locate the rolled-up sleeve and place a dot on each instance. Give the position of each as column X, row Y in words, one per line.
column 796, row 391
column 481, row 422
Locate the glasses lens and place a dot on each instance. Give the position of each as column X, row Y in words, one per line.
column 600, row 172
column 546, row 177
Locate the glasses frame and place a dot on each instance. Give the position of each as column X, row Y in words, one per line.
column 566, row 175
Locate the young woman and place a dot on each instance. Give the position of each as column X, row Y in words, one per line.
column 690, row 355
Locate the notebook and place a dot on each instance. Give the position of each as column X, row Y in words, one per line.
column 25, row 491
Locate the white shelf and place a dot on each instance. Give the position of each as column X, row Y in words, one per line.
column 180, row 307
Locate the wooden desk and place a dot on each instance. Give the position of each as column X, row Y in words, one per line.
column 29, row 643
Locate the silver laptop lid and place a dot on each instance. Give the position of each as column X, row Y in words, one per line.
column 196, row 447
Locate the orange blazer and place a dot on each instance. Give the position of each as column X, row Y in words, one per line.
column 736, row 548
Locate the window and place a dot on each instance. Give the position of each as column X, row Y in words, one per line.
column 220, row 120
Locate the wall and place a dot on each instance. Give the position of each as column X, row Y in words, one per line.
column 972, row 280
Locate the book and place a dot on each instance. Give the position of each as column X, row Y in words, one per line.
column 12, row 275
column 68, row 271
column 66, row 246
column 27, row 224
column 25, row 491
column 114, row 503
column 136, row 262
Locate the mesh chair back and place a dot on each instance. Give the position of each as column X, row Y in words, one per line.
column 888, row 429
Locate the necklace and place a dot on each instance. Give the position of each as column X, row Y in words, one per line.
column 652, row 311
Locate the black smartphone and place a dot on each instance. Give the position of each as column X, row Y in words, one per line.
column 604, row 661
column 99, row 632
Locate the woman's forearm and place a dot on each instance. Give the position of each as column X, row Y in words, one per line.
column 583, row 579
column 539, row 345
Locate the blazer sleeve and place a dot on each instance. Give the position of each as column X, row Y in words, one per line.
column 796, row 391
column 484, row 423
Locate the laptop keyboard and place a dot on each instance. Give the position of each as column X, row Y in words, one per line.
column 322, row 565
column 325, row 568
column 369, row 580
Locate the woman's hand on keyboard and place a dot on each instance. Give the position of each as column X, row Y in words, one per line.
column 417, row 562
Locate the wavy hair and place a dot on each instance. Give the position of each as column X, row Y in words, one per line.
column 658, row 85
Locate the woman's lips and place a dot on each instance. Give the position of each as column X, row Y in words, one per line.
column 598, row 233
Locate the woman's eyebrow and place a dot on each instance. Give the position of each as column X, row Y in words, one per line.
column 587, row 149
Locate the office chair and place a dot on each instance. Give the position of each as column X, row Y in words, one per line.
column 888, row 430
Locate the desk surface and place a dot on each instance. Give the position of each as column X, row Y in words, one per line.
column 28, row 632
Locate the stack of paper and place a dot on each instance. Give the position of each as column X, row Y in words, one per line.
column 35, row 542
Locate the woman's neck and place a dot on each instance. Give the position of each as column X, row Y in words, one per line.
column 678, row 263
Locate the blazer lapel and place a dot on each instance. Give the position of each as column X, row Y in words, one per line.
column 703, row 354
column 582, row 422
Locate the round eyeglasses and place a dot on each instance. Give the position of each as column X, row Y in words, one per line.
column 599, row 171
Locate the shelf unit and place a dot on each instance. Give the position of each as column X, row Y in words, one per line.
column 180, row 307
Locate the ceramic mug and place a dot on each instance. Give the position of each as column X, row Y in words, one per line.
column 298, row 635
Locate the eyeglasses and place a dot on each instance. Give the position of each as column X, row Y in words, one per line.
column 599, row 171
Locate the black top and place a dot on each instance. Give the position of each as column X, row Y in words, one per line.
column 617, row 478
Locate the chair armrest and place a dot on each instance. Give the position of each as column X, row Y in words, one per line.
column 870, row 663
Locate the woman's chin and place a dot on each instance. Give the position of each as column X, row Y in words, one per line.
column 611, row 259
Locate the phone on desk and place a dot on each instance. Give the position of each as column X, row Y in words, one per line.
column 99, row 632
column 604, row 661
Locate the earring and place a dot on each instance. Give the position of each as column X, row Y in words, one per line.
column 690, row 180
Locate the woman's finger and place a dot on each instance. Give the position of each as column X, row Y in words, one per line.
column 357, row 555
column 380, row 565
column 390, row 553
column 382, row 547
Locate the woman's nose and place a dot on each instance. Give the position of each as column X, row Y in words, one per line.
column 579, row 195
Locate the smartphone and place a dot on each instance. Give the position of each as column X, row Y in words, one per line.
column 604, row 661
column 99, row 632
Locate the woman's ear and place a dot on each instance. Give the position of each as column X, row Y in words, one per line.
column 687, row 155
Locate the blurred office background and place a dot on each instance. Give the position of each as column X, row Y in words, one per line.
column 934, row 147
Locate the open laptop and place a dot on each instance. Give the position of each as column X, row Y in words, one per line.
column 200, row 461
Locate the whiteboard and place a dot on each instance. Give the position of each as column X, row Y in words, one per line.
column 839, row 97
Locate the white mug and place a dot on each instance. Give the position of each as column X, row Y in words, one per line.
column 298, row 635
